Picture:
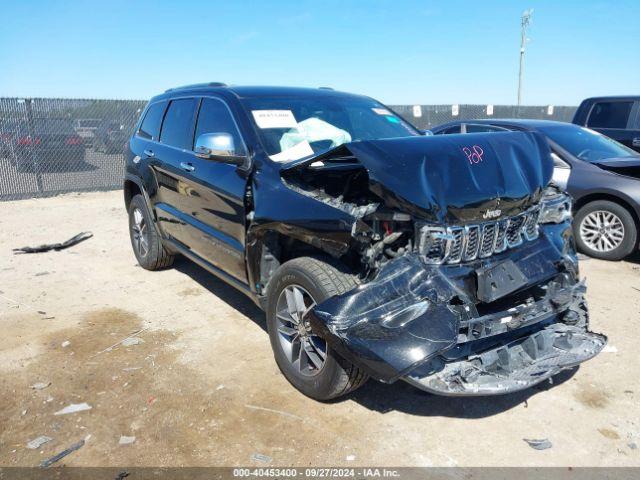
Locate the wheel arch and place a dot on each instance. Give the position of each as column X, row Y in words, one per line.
column 270, row 248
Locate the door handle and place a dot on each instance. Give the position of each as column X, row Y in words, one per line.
column 149, row 153
column 187, row 166
column 635, row 142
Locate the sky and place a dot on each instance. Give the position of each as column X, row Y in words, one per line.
column 400, row 52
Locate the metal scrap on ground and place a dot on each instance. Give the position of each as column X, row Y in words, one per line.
column 50, row 461
column 38, row 442
column 81, row 237
column 541, row 444
column 74, row 408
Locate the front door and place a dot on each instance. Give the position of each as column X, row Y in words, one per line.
column 208, row 196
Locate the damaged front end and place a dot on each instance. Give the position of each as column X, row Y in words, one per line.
column 426, row 324
column 469, row 281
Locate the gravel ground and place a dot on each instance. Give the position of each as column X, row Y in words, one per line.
column 200, row 387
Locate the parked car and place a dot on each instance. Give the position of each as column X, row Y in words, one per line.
column 110, row 137
column 86, row 129
column 374, row 250
column 51, row 143
column 615, row 117
column 9, row 128
column 602, row 176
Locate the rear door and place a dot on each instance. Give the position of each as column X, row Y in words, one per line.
column 208, row 196
column 616, row 119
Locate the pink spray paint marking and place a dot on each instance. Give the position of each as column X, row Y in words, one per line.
column 474, row 154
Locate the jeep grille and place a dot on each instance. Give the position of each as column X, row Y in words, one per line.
column 466, row 243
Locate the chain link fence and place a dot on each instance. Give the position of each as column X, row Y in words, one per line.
column 50, row 146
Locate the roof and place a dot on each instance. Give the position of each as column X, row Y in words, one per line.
column 253, row 91
column 613, row 97
column 518, row 122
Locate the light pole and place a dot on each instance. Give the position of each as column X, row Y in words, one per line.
column 524, row 23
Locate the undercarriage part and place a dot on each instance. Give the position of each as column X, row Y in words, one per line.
column 514, row 366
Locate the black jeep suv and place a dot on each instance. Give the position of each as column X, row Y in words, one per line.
column 375, row 251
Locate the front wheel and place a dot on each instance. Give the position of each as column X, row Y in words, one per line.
column 304, row 358
column 605, row 230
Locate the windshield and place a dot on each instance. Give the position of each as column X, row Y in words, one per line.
column 296, row 127
column 587, row 144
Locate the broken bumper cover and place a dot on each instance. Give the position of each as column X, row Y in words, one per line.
column 516, row 366
column 425, row 324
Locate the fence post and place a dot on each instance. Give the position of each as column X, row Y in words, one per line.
column 33, row 151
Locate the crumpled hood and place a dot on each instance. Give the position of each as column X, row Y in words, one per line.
column 453, row 178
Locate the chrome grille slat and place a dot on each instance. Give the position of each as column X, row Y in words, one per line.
column 514, row 230
column 466, row 243
column 472, row 234
column 501, row 237
column 457, row 245
column 488, row 239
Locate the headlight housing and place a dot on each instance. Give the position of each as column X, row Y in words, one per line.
column 555, row 207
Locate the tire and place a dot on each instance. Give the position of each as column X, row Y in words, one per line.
column 618, row 242
column 153, row 256
column 321, row 280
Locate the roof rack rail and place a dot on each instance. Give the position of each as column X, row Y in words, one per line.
column 197, row 85
column 326, row 88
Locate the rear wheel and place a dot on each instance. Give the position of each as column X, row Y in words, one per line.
column 304, row 358
column 605, row 230
column 146, row 243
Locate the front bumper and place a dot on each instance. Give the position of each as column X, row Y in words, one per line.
column 424, row 323
column 515, row 366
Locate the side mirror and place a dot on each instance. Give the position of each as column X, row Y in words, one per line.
column 427, row 133
column 219, row 147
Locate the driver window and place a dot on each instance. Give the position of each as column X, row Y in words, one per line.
column 214, row 117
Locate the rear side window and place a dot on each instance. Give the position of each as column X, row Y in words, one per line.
column 178, row 123
column 610, row 115
column 150, row 127
column 214, row 117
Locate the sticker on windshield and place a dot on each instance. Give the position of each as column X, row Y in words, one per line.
column 381, row 111
column 274, row 118
column 300, row 150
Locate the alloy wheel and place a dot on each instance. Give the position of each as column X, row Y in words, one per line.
column 602, row 231
column 303, row 349
column 140, row 233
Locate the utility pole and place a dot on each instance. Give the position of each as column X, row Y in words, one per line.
column 524, row 23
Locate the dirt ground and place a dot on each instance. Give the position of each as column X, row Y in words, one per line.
column 202, row 388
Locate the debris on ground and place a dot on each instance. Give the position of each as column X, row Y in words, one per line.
column 65, row 344
column 50, row 461
column 81, row 237
column 131, row 369
column 632, row 445
column 541, row 444
column 24, row 412
column 272, row 410
column 122, row 475
column 38, row 442
column 74, row 408
column 259, row 457
column 124, row 440
column 108, row 349
column 351, row 458
column 40, row 385
column 609, row 349
column 128, row 342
